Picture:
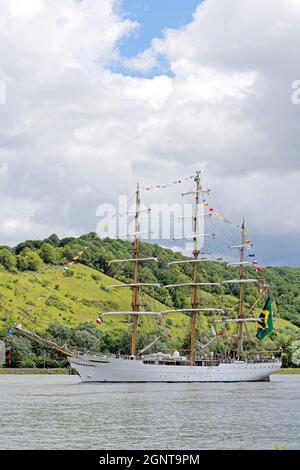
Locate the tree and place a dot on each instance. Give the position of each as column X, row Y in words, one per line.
column 7, row 259
column 20, row 350
column 48, row 254
column 28, row 245
column 53, row 240
column 69, row 251
column 66, row 241
column 30, row 261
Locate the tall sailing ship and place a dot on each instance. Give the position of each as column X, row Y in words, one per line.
column 194, row 366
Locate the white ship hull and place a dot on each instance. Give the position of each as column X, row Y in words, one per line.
column 104, row 369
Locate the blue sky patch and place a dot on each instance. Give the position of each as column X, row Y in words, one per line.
column 153, row 16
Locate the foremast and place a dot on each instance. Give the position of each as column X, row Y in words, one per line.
column 136, row 285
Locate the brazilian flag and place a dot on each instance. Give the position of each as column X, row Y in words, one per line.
column 265, row 321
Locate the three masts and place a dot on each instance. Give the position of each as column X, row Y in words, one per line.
column 195, row 285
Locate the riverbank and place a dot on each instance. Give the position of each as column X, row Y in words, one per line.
column 289, row 370
column 61, row 371
column 65, row 371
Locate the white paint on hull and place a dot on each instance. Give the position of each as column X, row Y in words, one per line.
column 125, row 370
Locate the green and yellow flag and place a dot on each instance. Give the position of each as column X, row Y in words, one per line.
column 265, row 321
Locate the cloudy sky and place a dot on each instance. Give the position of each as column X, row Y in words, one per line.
column 102, row 93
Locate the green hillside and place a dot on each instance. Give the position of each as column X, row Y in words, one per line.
column 37, row 291
column 37, row 299
column 41, row 298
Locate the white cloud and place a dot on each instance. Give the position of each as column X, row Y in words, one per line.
column 152, row 93
column 143, row 62
column 21, row 9
column 74, row 134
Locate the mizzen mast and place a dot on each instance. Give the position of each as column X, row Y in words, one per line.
column 241, row 298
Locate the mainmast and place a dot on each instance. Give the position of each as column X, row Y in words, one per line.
column 195, row 286
column 136, row 273
column 241, row 300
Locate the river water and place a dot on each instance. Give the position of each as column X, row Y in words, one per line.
column 58, row 412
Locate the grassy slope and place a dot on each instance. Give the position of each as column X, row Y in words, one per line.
column 79, row 299
column 25, row 298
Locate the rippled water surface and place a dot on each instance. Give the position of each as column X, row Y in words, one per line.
column 58, row 412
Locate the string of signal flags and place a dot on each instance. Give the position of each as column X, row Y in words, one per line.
column 212, row 211
column 80, row 253
column 163, row 186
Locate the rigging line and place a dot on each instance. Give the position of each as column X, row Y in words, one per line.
column 159, row 277
column 230, row 227
column 259, row 298
column 220, row 247
column 222, row 241
column 126, row 345
column 221, row 250
column 220, row 230
column 225, row 233
column 217, row 228
column 218, row 252
column 129, row 198
column 98, row 340
column 222, row 227
column 225, row 226
column 183, row 272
